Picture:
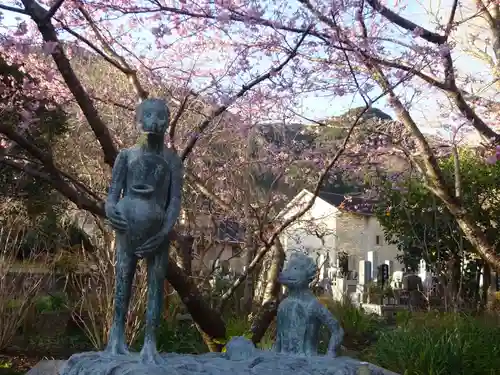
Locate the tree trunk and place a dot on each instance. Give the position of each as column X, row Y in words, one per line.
column 270, row 300
column 248, row 291
column 429, row 167
column 185, row 253
column 210, row 342
column 272, row 289
column 209, row 322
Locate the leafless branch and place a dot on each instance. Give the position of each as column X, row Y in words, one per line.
column 204, row 124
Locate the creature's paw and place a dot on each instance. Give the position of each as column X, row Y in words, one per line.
column 150, row 356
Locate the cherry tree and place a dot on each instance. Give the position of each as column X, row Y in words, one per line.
column 51, row 68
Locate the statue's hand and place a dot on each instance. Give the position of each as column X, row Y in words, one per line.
column 117, row 220
column 151, row 245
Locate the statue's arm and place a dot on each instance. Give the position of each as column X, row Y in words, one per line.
column 176, row 182
column 118, row 178
column 336, row 331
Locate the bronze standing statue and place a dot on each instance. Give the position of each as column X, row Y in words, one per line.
column 143, row 205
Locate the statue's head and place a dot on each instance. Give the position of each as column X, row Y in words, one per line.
column 153, row 116
column 299, row 271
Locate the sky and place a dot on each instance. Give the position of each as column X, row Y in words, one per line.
column 424, row 111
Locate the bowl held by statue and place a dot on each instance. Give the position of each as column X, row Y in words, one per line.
column 143, row 214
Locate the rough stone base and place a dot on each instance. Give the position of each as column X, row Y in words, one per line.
column 46, row 367
column 264, row 363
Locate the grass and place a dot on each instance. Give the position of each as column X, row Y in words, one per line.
column 360, row 329
column 439, row 344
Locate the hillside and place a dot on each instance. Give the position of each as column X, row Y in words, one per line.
column 360, row 165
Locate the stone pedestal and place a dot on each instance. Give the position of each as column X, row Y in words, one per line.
column 49, row 367
column 261, row 362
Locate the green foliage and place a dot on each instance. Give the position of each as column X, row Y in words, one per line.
column 41, row 204
column 239, row 326
column 51, row 303
column 360, row 328
column 439, row 344
column 423, row 228
column 178, row 337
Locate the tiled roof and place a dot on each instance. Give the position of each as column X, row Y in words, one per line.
column 354, row 204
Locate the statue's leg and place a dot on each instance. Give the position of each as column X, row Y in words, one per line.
column 126, row 263
column 156, row 277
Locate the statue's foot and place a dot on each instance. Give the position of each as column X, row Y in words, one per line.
column 332, row 353
column 149, row 355
column 117, row 347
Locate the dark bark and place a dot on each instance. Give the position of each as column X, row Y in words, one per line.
column 49, row 35
column 184, row 252
column 208, row 321
column 263, row 320
column 212, row 344
column 270, row 300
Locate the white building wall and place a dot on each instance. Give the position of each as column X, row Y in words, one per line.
column 314, row 232
column 339, row 231
column 359, row 234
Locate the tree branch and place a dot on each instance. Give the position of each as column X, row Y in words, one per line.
column 204, row 124
column 53, row 9
column 12, row 9
column 101, row 131
column 130, row 73
column 405, row 23
column 450, row 85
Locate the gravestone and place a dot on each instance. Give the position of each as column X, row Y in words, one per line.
column 412, row 282
column 383, row 274
column 372, row 257
column 412, row 285
column 365, row 272
column 390, row 265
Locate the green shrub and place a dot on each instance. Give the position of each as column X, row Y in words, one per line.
column 179, row 337
column 174, row 335
column 360, row 328
column 51, row 303
column 439, row 344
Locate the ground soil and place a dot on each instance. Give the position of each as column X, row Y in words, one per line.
column 18, row 363
column 24, row 353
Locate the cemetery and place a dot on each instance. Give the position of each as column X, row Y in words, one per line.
column 249, row 187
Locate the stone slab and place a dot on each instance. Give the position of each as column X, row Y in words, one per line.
column 53, row 367
column 262, row 363
column 46, row 367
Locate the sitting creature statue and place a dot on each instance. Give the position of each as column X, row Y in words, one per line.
column 300, row 314
column 143, row 205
